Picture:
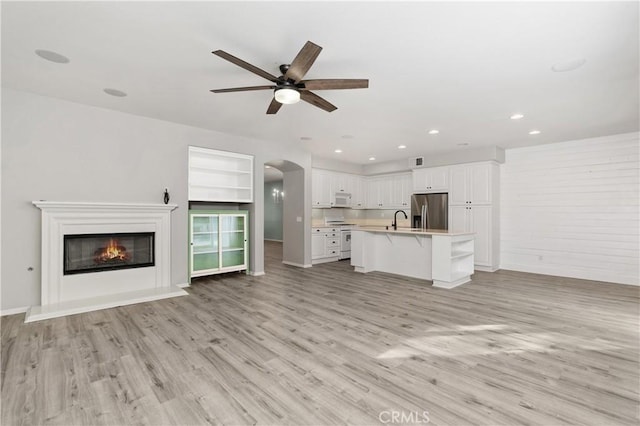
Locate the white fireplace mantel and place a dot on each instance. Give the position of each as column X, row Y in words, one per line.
column 71, row 294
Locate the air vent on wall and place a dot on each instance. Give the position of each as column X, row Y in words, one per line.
column 416, row 162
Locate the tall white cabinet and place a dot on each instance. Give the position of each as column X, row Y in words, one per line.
column 474, row 207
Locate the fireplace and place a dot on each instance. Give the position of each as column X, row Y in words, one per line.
column 86, row 253
column 103, row 255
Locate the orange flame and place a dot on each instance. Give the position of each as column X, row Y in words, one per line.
column 112, row 252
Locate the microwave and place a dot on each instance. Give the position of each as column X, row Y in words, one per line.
column 343, row 199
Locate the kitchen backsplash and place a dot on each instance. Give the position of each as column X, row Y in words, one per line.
column 373, row 217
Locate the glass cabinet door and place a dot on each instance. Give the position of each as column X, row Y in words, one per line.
column 232, row 239
column 204, row 242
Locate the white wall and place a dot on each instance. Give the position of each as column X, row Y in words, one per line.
column 572, row 209
column 293, row 231
column 62, row 151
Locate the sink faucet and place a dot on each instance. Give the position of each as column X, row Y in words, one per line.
column 395, row 218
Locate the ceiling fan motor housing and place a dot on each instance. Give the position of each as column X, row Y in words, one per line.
column 284, row 68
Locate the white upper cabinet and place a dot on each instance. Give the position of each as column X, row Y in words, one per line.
column 321, row 188
column 220, row 176
column 473, row 183
column 325, row 184
column 374, row 193
column 432, row 179
column 401, row 186
column 358, row 193
column 388, row 191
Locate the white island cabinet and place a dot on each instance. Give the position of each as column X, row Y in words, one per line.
column 446, row 258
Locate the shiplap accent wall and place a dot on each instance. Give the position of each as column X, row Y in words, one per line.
column 572, row 209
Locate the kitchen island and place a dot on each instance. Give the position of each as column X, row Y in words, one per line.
column 444, row 257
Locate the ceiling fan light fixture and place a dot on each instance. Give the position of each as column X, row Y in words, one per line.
column 287, row 96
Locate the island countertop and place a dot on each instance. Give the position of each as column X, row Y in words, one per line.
column 411, row 231
column 443, row 257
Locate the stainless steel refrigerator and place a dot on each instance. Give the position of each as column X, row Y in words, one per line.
column 430, row 211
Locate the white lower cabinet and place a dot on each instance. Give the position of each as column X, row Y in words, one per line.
column 479, row 220
column 318, row 245
column 325, row 244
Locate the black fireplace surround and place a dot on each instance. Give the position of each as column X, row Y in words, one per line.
column 86, row 253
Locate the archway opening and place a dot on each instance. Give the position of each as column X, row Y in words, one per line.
column 284, row 212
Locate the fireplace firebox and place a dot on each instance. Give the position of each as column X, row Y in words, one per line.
column 86, row 253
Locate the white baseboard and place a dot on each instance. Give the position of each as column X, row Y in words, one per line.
column 299, row 265
column 485, row 268
column 325, row 260
column 184, row 285
column 573, row 273
column 255, row 273
column 14, row 311
column 269, row 239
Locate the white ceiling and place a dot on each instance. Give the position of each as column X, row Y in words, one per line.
column 461, row 68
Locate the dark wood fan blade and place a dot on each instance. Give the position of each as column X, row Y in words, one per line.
column 303, row 61
column 247, row 66
column 274, row 106
column 316, row 100
column 335, row 84
column 242, row 89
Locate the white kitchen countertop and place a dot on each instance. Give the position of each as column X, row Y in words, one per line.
column 409, row 231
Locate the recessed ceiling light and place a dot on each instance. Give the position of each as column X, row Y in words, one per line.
column 52, row 56
column 372, row 158
column 434, row 132
column 568, row 65
column 338, row 151
column 267, row 167
column 347, row 136
column 463, row 144
column 402, row 146
column 534, row 132
column 516, row 116
column 305, row 138
column 115, row 92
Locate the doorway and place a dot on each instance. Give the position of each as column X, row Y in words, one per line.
column 284, row 212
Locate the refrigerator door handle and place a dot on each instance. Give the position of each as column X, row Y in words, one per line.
column 426, row 217
column 423, row 218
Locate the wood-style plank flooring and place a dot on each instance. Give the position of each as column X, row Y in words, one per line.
column 325, row 346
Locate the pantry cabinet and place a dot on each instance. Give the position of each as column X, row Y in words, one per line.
column 218, row 241
column 474, row 200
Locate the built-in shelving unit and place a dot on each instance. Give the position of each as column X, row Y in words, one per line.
column 220, row 176
column 452, row 260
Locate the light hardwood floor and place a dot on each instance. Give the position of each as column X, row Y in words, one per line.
column 324, row 346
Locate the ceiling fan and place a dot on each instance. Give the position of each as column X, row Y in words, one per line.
column 290, row 87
